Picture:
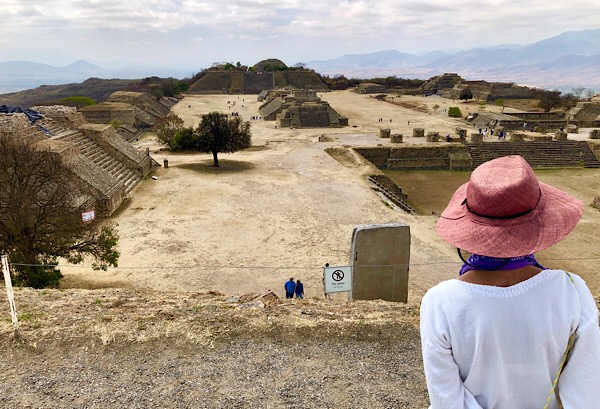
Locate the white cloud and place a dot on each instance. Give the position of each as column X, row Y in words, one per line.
column 318, row 26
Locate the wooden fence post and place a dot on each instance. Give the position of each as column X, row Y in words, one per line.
column 10, row 295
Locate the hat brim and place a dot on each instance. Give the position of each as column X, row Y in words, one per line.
column 555, row 216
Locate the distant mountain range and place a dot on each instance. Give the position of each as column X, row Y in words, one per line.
column 21, row 75
column 18, row 75
column 568, row 59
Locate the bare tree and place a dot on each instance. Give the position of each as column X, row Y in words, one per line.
column 578, row 92
column 40, row 216
column 589, row 93
column 548, row 99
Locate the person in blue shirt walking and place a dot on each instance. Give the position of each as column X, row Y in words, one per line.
column 299, row 290
column 290, row 287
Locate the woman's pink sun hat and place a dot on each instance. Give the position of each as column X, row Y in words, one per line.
column 504, row 211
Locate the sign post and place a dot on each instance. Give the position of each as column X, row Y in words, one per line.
column 338, row 279
column 9, row 293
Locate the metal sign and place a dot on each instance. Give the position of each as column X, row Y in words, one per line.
column 338, row 279
column 88, row 216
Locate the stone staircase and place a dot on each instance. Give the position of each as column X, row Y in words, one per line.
column 392, row 191
column 539, row 154
column 101, row 157
column 589, row 159
column 54, row 127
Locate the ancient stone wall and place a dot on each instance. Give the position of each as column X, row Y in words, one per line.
column 67, row 117
column 110, row 111
column 415, row 157
column 254, row 83
column 313, row 116
column 106, row 137
column 539, row 116
column 306, row 111
column 19, row 126
column 142, row 101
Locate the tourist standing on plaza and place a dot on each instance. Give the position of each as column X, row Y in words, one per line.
column 498, row 335
column 290, row 287
column 299, row 290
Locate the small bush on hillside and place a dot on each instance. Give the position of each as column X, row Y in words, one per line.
column 454, row 112
column 115, row 123
column 78, row 102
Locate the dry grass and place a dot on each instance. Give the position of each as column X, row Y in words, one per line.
column 126, row 316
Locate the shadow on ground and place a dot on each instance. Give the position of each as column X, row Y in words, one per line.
column 225, row 166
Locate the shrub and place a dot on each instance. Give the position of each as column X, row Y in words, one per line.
column 77, row 102
column 454, row 112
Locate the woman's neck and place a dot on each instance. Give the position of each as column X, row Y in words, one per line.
column 500, row 278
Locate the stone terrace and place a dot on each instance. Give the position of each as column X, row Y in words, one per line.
column 108, row 166
column 554, row 154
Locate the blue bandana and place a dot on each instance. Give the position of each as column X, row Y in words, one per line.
column 477, row 262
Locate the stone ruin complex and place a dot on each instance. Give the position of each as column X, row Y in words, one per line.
column 525, row 121
column 265, row 75
column 300, row 109
column 108, row 167
column 370, row 88
column 132, row 112
column 488, row 91
column 586, row 114
column 435, row 85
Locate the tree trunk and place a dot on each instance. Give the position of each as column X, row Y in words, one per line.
column 215, row 159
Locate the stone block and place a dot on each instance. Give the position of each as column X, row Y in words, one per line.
column 596, row 202
column 572, row 128
column 385, row 133
column 477, row 137
column 560, row 136
column 418, row 133
column 517, row 137
column 461, row 132
column 541, row 138
column 595, row 134
column 433, row 136
column 396, row 138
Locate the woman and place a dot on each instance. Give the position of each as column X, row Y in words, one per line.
column 494, row 338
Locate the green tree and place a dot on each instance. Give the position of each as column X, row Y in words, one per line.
column 466, row 94
column 167, row 129
column 454, row 112
column 40, row 219
column 501, row 103
column 219, row 134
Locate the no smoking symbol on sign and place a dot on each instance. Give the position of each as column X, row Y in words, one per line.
column 338, row 275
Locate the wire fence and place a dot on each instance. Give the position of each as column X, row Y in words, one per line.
column 288, row 267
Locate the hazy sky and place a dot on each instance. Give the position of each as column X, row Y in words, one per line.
column 188, row 33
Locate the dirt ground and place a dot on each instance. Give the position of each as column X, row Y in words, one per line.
column 284, row 207
column 174, row 325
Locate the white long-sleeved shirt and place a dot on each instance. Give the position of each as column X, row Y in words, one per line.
column 500, row 347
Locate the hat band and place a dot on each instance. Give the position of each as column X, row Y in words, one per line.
column 507, row 217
